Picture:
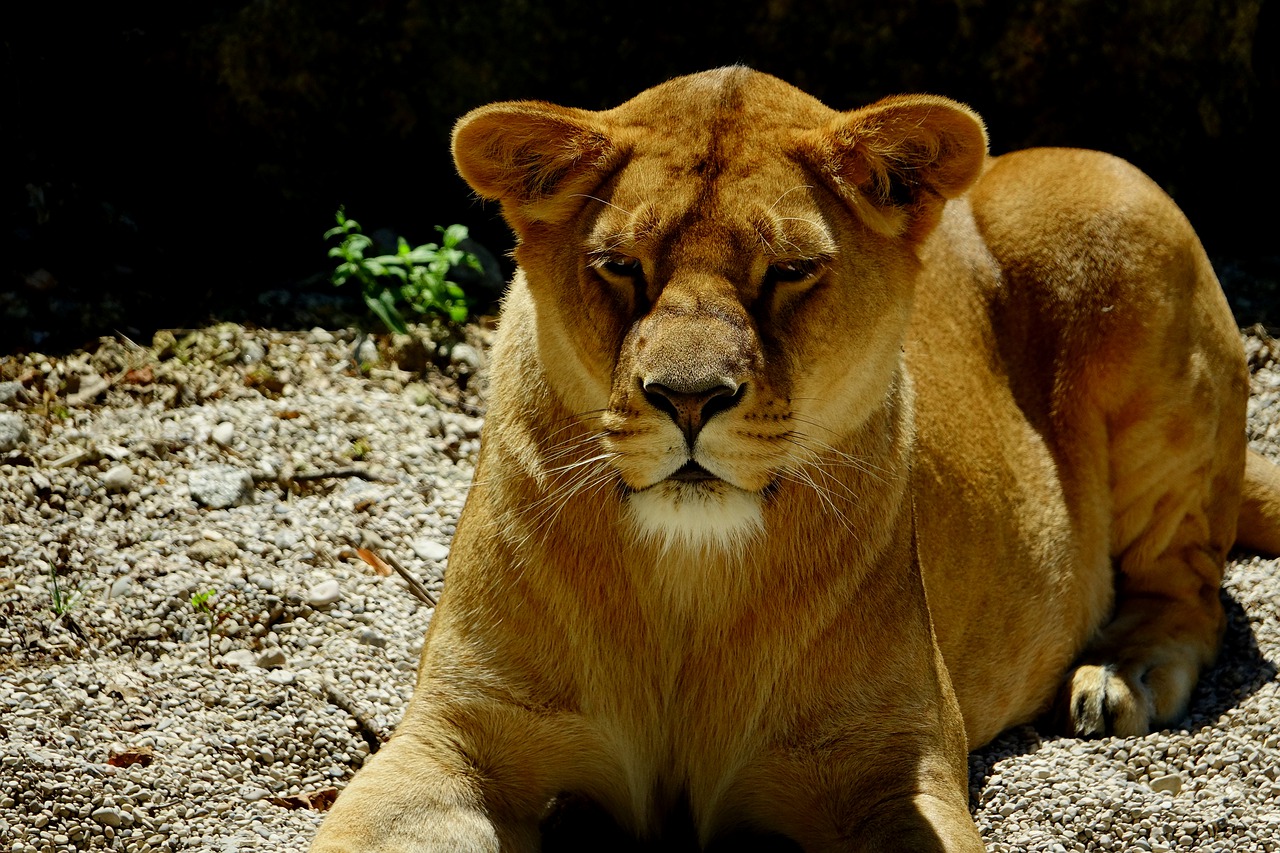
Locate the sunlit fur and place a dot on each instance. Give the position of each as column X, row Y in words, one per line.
column 982, row 457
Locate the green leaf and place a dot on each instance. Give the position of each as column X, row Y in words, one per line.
column 454, row 234
column 384, row 307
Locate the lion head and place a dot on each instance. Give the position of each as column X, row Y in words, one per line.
column 722, row 268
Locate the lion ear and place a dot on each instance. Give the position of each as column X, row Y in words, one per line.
column 898, row 160
column 536, row 158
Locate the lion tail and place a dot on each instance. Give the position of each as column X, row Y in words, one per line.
column 1259, row 525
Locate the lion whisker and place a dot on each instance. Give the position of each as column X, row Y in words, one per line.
column 582, row 462
column 605, row 203
column 546, row 516
column 801, row 478
column 841, row 458
column 787, row 193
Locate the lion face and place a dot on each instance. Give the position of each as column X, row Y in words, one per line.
column 723, row 272
column 724, row 376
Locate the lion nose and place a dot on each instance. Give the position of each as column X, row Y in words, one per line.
column 692, row 403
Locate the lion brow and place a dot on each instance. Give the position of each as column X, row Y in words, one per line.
column 643, row 225
column 780, row 238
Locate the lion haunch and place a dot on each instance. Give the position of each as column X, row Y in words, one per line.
column 822, row 448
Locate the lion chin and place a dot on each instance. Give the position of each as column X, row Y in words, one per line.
column 697, row 516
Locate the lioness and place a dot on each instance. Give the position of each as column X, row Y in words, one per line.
column 821, row 449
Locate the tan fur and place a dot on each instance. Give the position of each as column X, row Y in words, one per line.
column 957, row 458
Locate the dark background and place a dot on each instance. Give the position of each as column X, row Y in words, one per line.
column 171, row 164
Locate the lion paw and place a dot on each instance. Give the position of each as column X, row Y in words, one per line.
column 1101, row 701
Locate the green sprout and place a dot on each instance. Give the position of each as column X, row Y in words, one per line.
column 62, row 602
column 206, row 604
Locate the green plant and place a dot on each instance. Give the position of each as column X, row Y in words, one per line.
column 206, row 604
column 62, row 602
column 414, row 279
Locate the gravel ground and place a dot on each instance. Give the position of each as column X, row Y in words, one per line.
column 284, row 472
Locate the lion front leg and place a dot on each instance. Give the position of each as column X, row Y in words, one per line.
column 409, row 798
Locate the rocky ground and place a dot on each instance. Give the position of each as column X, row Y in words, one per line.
column 204, row 627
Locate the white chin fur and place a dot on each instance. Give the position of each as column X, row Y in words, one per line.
column 696, row 515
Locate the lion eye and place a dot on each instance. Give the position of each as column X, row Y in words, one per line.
column 783, row 272
column 620, row 266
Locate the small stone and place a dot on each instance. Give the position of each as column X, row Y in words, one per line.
column 272, row 659
column 223, row 434
column 429, row 549
column 365, row 351
column 323, row 594
column 370, row 637
column 471, row 427
column 114, row 451
column 465, row 355
column 281, row 676
column 321, row 336
column 1168, row 784
column 287, row 539
column 11, row 392
column 13, row 431
column 118, row 478
column 220, row 486
column 108, row 816
column 239, row 659
column 252, row 352
column 220, row 551
column 263, row 582
column 120, row 587
column 91, row 387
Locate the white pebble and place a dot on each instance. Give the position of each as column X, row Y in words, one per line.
column 223, row 434
column 324, row 593
column 13, row 431
column 117, row 478
column 108, row 816
column 429, row 549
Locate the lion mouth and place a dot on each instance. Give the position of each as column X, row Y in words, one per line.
column 692, row 472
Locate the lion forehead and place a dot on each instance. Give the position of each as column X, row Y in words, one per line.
column 766, row 214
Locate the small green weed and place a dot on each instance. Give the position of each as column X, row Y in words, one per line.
column 62, row 602
column 206, row 604
column 414, row 280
